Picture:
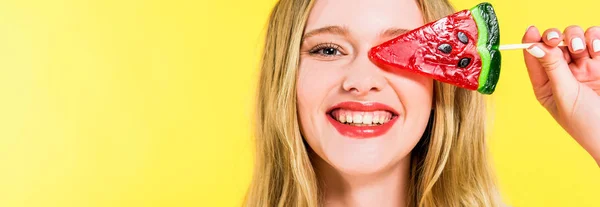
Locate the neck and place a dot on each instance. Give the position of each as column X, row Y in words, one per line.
column 385, row 188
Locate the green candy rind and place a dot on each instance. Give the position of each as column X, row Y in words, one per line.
column 481, row 46
column 494, row 73
column 488, row 42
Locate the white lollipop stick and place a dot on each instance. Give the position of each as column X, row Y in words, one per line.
column 522, row 46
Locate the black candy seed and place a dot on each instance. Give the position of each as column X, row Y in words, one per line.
column 445, row 48
column 464, row 62
column 462, row 37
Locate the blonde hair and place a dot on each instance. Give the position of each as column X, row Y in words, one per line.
column 449, row 165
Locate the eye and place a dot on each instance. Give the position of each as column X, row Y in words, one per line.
column 326, row 49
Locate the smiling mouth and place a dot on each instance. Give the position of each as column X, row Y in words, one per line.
column 361, row 118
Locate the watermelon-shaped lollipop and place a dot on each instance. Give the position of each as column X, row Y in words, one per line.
column 460, row 49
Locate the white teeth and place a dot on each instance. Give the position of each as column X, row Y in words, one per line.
column 368, row 119
column 357, row 119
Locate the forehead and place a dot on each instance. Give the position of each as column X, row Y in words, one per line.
column 365, row 16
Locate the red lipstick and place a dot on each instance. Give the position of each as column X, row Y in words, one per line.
column 361, row 132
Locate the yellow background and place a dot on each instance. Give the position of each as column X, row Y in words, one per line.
column 149, row 103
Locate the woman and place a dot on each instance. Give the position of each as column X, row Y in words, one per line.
column 332, row 129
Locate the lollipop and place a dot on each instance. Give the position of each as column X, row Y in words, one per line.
column 460, row 49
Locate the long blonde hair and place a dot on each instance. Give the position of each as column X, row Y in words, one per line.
column 449, row 165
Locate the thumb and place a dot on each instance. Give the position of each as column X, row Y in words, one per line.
column 537, row 73
column 552, row 60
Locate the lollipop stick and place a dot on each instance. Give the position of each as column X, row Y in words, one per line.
column 521, row 46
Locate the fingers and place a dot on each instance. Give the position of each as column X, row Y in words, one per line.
column 592, row 37
column 556, row 68
column 575, row 38
column 552, row 37
column 566, row 54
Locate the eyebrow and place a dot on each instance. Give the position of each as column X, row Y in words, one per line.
column 393, row 32
column 343, row 31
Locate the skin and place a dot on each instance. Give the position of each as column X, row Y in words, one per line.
column 334, row 68
column 360, row 172
column 567, row 82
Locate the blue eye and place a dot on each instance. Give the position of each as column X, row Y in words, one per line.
column 327, row 49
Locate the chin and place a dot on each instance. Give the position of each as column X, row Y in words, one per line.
column 365, row 167
column 368, row 156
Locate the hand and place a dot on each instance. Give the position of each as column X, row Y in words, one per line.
column 566, row 80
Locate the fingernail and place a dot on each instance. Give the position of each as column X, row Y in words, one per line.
column 536, row 52
column 528, row 28
column 577, row 44
column 596, row 45
column 552, row 35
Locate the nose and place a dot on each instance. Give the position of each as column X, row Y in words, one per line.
column 363, row 77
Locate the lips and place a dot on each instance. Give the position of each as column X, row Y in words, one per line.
column 362, row 120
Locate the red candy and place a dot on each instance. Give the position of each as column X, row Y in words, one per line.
column 445, row 50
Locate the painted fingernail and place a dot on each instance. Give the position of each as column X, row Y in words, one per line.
column 577, row 44
column 552, row 35
column 536, row 52
column 596, row 45
column 528, row 28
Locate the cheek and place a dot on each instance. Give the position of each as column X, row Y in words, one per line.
column 416, row 95
column 414, row 91
column 316, row 81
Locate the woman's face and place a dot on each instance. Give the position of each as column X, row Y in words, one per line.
column 355, row 116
